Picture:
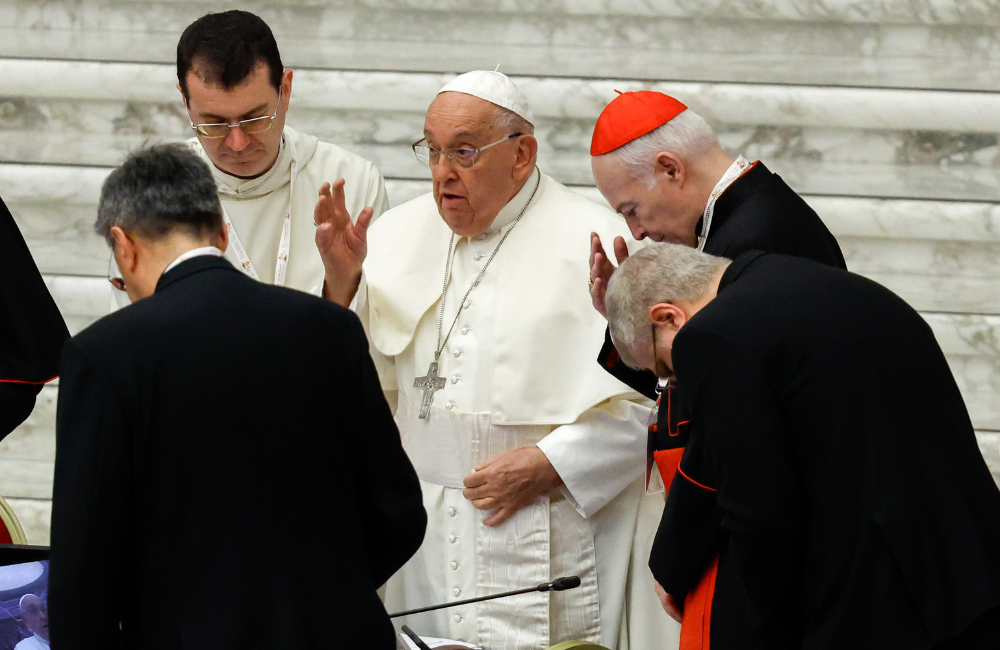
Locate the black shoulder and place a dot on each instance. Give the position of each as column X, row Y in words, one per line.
column 306, row 308
column 775, row 219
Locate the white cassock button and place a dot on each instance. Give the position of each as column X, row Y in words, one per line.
column 456, row 591
column 456, row 379
column 477, row 256
column 467, row 304
column 466, row 330
column 452, row 512
column 449, row 405
column 454, row 566
column 457, row 618
column 452, row 539
column 456, row 353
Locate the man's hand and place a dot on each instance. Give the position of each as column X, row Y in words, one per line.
column 342, row 244
column 669, row 604
column 510, row 481
column 601, row 269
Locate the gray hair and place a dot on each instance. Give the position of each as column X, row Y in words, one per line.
column 657, row 273
column 510, row 122
column 686, row 135
column 158, row 190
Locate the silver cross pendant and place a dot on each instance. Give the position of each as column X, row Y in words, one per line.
column 431, row 383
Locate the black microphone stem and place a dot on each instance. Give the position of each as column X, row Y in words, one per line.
column 559, row 584
column 463, row 602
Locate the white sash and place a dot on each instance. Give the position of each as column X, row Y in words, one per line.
column 737, row 169
column 281, row 265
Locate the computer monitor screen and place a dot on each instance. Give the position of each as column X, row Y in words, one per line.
column 24, row 587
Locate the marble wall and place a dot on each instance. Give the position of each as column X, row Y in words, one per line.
column 884, row 114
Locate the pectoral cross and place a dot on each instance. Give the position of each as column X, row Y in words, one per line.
column 431, row 383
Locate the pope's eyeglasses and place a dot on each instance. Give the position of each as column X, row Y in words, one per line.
column 254, row 125
column 461, row 156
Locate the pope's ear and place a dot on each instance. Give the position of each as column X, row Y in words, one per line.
column 670, row 164
column 667, row 314
column 527, row 149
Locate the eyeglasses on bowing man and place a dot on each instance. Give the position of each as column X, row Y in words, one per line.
column 216, row 130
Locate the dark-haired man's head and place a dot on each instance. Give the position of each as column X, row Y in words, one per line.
column 161, row 203
column 229, row 71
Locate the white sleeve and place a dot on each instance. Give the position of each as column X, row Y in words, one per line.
column 600, row 454
column 385, row 366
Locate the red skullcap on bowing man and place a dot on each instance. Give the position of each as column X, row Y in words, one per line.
column 657, row 163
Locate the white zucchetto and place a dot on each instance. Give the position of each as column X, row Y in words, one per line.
column 495, row 88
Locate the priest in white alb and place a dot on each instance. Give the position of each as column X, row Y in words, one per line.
column 530, row 456
column 269, row 175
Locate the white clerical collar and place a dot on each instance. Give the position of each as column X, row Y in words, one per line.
column 195, row 252
column 234, row 187
column 514, row 206
column 735, row 171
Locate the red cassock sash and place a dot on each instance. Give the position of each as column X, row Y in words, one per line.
column 697, row 624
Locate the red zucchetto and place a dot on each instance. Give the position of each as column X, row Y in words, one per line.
column 632, row 115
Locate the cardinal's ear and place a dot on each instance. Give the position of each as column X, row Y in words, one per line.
column 671, row 166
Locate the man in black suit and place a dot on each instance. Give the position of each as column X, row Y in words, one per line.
column 32, row 331
column 831, row 458
column 228, row 474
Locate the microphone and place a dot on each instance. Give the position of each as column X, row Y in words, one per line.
column 559, row 584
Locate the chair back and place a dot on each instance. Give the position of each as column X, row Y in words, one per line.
column 10, row 528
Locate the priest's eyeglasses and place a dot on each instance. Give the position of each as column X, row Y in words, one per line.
column 114, row 275
column 461, row 156
column 217, row 130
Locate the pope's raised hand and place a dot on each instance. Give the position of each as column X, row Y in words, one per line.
column 601, row 269
column 342, row 243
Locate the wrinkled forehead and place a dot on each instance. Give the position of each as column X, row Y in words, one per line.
column 613, row 178
column 456, row 118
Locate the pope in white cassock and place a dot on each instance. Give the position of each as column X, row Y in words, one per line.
column 269, row 175
column 530, row 456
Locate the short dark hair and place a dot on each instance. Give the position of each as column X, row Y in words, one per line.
column 159, row 190
column 226, row 48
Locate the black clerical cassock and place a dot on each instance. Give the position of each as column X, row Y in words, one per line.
column 228, row 474
column 32, row 331
column 833, row 463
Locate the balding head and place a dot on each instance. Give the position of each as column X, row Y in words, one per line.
column 658, row 287
column 469, row 198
